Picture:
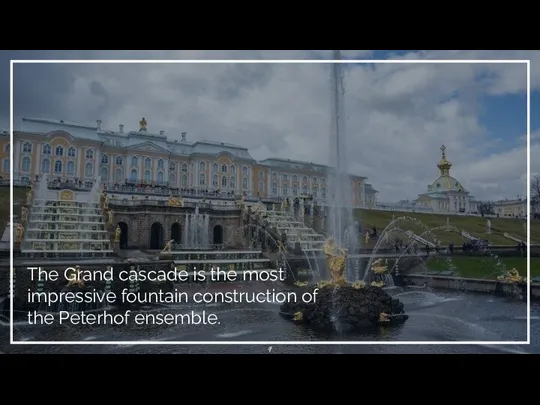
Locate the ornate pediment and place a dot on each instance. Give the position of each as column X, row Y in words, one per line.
column 148, row 147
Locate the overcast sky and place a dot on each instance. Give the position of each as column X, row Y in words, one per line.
column 398, row 116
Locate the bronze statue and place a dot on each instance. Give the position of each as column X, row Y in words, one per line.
column 168, row 246
column 117, row 233
column 19, row 233
column 336, row 259
column 24, row 215
column 142, row 124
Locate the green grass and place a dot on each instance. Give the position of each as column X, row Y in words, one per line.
column 476, row 226
column 19, row 197
column 483, row 267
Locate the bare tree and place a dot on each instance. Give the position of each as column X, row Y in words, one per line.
column 535, row 190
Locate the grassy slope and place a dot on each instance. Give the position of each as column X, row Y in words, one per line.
column 476, row 226
column 484, row 267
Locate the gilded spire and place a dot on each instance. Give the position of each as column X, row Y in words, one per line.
column 444, row 165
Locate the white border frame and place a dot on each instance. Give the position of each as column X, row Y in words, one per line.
column 311, row 61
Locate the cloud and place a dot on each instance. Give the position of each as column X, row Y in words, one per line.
column 398, row 115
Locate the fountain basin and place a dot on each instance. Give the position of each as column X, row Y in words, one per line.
column 345, row 308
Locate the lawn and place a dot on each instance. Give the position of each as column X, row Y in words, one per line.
column 19, row 197
column 476, row 226
column 483, row 267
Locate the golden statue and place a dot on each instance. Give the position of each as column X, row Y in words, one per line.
column 168, row 246
column 175, row 202
column 366, row 238
column 74, row 278
column 19, row 233
column 29, row 196
column 106, row 203
column 143, row 124
column 117, row 233
column 241, row 201
column 378, row 267
column 24, row 215
column 286, row 203
column 110, row 217
column 511, row 276
column 336, row 259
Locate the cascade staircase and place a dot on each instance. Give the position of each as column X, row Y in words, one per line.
column 65, row 224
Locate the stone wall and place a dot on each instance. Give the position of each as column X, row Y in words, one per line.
column 140, row 219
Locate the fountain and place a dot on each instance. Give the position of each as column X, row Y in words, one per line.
column 196, row 234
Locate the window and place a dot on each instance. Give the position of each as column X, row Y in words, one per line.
column 202, row 167
column 285, row 189
column 304, row 179
column 26, row 164
column 324, row 192
column 184, row 167
column 295, row 178
column 147, row 176
column 160, row 178
column 70, row 168
column 133, row 176
column 284, row 177
column 274, row 176
column 223, row 168
column 295, row 191
column 214, row 168
column 71, row 152
column 118, row 175
column 304, row 189
column 315, row 180
column 104, row 174
column 161, row 164
column 202, row 178
column 233, row 170
column 323, row 180
column 274, row 188
column 89, row 154
column 245, row 183
column 134, row 161
column 261, row 175
column 261, row 186
column 58, row 166
column 27, row 147
column 148, row 163
column 172, row 166
column 105, row 159
column 315, row 191
column 214, row 180
column 46, row 149
column 89, row 170
column 245, row 171
column 224, row 181
column 118, row 160
column 59, row 151
column 46, row 166
column 6, row 166
column 184, row 180
column 6, row 148
column 232, row 182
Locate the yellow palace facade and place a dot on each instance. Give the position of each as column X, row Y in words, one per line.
column 75, row 152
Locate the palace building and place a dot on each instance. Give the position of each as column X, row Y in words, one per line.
column 74, row 152
column 446, row 194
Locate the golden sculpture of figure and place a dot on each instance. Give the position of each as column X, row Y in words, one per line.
column 512, row 276
column 24, row 215
column 168, row 246
column 110, row 216
column 241, row 201
column 336, row 259
column 366, row 238
column 19, row 233
column 143, row 124
column 378, row 267
column 174, row 202
column 117, row 233
column 29, row 196
column 106, row 203
column 74, row 278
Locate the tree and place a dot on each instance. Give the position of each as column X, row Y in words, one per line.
column 486, row 208
column 535, row 190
